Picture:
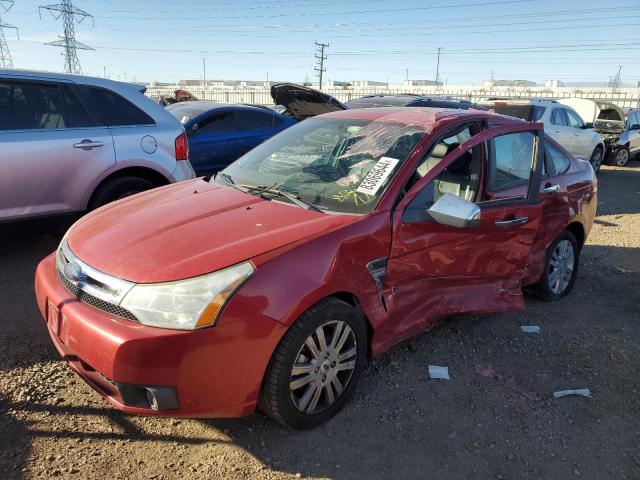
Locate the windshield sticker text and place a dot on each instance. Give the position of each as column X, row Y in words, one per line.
column 377, row 176
column 354, row 196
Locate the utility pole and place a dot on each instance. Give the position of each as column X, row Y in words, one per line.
column 320, row 57
column 616, row 80
column 406, row 76
column 5, row 56
column 70, row 16
column 204, row 72
column 438, row 67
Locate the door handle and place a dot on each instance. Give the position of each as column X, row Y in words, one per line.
column 548, row 188
column 512, row 222
column 558, row 131
column 88, row 144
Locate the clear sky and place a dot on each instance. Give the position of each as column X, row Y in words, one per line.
column 165, row 40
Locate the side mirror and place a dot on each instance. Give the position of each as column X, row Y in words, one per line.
column 587, row 126
column 456, row 212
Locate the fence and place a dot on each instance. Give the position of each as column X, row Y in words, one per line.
column 261, row 96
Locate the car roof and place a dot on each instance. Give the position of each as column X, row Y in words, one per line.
column 402, row 100
column 428, row 117
column 66, row 77
column 196, row 108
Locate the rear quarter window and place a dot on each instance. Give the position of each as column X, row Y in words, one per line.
column 560, row 161
column 116, row 110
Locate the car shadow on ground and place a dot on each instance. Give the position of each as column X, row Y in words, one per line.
column 619, row 189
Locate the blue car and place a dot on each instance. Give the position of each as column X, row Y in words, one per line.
column 219, row 134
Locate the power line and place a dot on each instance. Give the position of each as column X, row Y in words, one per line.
column 320, row 57
column 70, row 16
column 5, row 56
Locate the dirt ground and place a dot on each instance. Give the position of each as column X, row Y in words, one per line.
column 495, row 419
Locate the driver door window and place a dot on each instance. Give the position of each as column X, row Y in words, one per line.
column 574, row 120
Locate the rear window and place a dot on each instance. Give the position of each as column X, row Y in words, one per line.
column 115, row 110
column 530, row 113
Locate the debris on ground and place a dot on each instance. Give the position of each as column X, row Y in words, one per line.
column 584, row 392
column 438, row 373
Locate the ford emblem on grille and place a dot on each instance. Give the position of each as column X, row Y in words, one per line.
column 73, row 272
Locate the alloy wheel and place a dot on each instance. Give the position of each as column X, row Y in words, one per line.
column 323, row 367
column 622, row 157
column 596, row 159
column 561, row 267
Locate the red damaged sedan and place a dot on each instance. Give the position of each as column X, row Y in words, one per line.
column 273, row 283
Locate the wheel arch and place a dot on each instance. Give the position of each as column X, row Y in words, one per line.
column 155, row 177
column 352, row 300
column 578, row 231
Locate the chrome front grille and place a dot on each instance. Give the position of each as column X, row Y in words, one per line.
column 91, row 286
column 95, row 302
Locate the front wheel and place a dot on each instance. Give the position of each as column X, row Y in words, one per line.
column 316, row 366
column 560, row 269
column 621, row 157
column 596, row 159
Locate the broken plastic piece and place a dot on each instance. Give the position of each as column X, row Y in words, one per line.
column 530, row 328
column 439, row 373
column 584, row 392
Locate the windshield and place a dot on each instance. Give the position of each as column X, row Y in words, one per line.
column 333, row 164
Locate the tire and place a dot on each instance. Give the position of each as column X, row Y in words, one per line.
column 597, row 158
column 545, row 288
column 621, row 157
column 295, row 407
column 118, row 188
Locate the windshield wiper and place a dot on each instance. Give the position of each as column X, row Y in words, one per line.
column 229, row 180
column 290, row 196
column 262, row 189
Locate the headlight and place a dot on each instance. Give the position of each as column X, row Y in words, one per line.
column 186, row 304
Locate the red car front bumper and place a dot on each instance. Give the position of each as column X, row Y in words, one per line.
column 214, row 372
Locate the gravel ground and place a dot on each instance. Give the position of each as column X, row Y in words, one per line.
column 495, row 418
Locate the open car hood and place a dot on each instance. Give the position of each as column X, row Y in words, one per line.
column 595, row 112
column 303, row 102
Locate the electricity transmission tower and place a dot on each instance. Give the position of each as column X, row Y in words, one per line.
column 5, row 55
column 615, row 83
column 320, row 57
column 70, row 16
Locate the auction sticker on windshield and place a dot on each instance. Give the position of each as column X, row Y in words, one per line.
column 377, row 176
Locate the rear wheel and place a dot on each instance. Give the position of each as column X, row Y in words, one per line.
column 316, row 366
column 621, row 157
column 596, row 159
column 118, row 188
column 561, row 268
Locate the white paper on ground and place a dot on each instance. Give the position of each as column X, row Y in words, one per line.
column 530, row 328
column 584, row 392
column 439, row 372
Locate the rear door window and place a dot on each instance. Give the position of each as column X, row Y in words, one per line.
column 78, row 116
column 558, row 117
column 31, row 106
column 115, row 110
column 250, row 120
column 511, row 159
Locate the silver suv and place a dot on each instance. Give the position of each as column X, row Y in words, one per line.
column 561, row 122
column 70, row 143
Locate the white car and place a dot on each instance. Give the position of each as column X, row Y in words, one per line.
column 561, row 122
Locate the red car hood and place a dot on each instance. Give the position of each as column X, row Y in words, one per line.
column 189, row 229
